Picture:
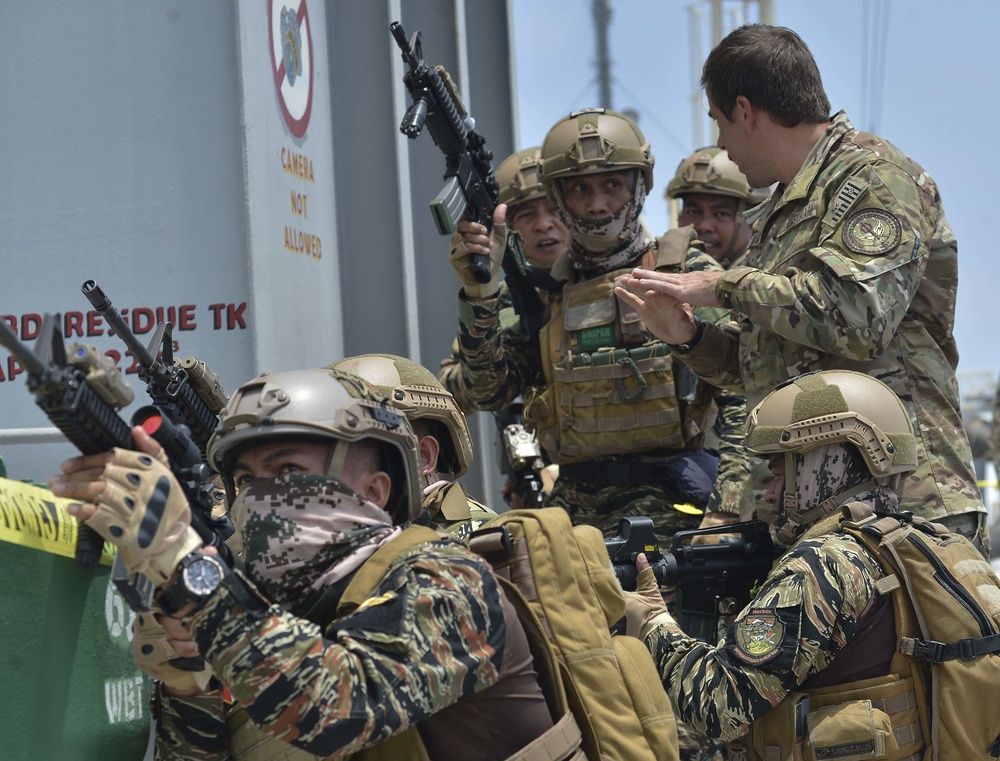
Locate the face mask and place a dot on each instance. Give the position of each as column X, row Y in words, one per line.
column 607, row 243
column 302, row 533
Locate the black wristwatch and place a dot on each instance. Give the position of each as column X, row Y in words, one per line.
column 198, row 576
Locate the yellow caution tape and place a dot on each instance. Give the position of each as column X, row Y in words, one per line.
column 31, row 516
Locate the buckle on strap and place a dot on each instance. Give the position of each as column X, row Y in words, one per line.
column 923, row 649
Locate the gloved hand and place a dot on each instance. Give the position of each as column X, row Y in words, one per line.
column 143, row 511
column 644, row 608
column 472, row 238
column 156, row 654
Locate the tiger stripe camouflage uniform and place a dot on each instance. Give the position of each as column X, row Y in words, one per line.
column 497, row 365
column 853, row 266
column 803, row 615
column 434, row 630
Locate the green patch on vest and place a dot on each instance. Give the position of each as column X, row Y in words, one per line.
column 591, row 339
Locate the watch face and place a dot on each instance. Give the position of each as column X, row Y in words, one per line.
column 203, row 576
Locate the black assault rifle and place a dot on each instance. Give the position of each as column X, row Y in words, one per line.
column 471, row 188
column 185, row 390
column 712, row 580
column 82, row 396
column 85, row 416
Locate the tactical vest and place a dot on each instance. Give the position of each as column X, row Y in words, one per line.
column 249, row 743
column 936, row 692
column 611, row 388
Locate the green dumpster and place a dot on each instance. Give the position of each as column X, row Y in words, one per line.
column 71, row 691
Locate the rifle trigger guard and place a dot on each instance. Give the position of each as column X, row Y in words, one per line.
column 631, row 398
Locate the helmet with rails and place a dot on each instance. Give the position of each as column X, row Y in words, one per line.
column 838, row 411
column 831, row 406
column 416, row 391
column 322, row 404
column 710, row 171
column 591, row 142
column 595, row 140
column 519, row 177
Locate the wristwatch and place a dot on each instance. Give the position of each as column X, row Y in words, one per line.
column 198, row 576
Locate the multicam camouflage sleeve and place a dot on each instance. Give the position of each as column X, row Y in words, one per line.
column 803, row 615
column 496, row 363
column 431, row 632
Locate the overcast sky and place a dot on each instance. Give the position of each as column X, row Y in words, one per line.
column 938, row 104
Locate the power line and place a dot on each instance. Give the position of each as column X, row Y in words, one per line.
column 648, row 113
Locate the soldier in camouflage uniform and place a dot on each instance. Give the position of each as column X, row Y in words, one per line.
column 543, row 238
column 851, row 265
column 625, row 424
column 714, row 195
column 442, row 437
column 817, row 625
column 342, row 633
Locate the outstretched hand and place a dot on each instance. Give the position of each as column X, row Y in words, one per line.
column 668, row 318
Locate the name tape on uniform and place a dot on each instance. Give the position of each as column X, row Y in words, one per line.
column 31, row 516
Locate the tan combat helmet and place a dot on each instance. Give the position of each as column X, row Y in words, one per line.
column 519, row 177
column 415, row 391
column 328, row 405
column 833, row 407
column 594, row 140
column 709, row 170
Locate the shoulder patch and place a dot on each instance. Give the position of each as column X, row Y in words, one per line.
column 848, row 195
column 871, row 232
column 758, row 636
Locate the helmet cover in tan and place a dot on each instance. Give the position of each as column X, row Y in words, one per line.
column 835, row 406
column 416, row 391
column 710, row 171
column 519, row 177
column 326, row 405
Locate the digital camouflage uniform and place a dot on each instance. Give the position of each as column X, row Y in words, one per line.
column 853, row 266
column 364, row 676
column 497, row 365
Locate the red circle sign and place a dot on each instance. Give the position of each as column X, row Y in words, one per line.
column 292, row 61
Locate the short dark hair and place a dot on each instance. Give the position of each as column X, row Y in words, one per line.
column 772, row 68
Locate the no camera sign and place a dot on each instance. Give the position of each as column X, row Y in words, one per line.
column 292, row 61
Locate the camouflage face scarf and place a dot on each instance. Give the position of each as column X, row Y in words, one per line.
column 302, row 533
column 608, row 243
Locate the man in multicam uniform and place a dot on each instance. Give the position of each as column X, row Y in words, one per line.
column 625, row 424
column 443, row 438
column 851, row 265
column 422, row 655
column 816, row 624
column 543, row 238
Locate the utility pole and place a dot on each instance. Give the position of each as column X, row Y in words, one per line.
column 602, row 20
